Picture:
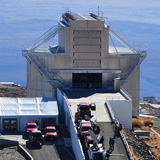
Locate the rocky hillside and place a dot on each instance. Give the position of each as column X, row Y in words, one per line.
column 14, row 91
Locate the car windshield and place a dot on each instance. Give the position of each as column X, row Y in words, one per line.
column 37, row 135
column 86, row 128
column 31, row 126
column 84, row 107
column 50, row 130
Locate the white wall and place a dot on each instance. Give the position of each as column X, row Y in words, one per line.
column 76, row 145
column 60, row 104
column 122, row 110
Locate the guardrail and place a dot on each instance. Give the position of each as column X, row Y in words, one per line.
column 110, row 111
column 121, row 132
column 125, row 94
column 126, row 145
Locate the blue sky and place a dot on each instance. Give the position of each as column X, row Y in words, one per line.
column 24, row 21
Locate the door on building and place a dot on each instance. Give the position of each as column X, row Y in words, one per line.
column 47, row 122
column 87, row 80
column 10, row 125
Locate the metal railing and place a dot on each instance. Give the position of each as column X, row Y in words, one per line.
column 134, row 63
column 126, row 145
column 113, row 118
column 122, row 40
column 136, row 60
column 51, row 33
column 49, row 76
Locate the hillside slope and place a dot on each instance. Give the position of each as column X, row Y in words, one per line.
column 14, row 91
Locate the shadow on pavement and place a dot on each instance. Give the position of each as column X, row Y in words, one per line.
column 67, row 152
column 34, row 146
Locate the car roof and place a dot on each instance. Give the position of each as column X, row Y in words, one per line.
column 85, row 104
column 31, row 123
column 84, row 122
column 51, row 127
column 86, row 125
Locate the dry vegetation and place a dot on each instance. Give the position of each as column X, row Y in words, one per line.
column 140, row 122
column 154, row 140
column 154, row 143
column 137, row 122
column 131, row 149
column 148, row 121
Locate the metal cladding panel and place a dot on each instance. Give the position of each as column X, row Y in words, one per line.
column 79, row 23
column 87, row 63
column 87, row 33
column 87, row 55
column 87, row 41
column 88, row 23
column 95, row 24
column 132, row 87
column 89, row 49
column 113, row 63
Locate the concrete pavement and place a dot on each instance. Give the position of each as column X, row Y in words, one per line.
column 101, row 115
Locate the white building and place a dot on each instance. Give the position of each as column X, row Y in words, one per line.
column 7, row 83
column 15, row 113
column 82, row 59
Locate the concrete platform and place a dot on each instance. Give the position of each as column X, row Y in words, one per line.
column 89, row 96
column 101, row 115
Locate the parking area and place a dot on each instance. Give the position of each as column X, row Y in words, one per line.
column 50, row 150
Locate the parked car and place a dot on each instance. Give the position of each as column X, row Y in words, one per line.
column 31, row 126
column 83, row 109
column 84, row 127
column 36, row 137
column 87, row 140
column 50, row 133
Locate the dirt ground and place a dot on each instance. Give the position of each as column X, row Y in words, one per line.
column 145, row 148
column 157, row 124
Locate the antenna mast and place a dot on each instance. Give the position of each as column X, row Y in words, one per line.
column 98, row 11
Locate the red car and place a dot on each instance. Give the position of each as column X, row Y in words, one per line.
column 83, row 109
column 87, row 140
column 83, row 129
column 51, row 133
column 31, row 126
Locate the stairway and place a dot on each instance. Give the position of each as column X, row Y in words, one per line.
column 51, row 77
column 29, row 55
column 136, row 60
column 51, row 33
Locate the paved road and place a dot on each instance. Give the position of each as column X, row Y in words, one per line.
column 45, row 152
column 119, row 152
column 50, row 152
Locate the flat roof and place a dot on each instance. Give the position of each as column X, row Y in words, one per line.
column 85, row 17
column 101, row 114
column 53, row 49
column 120, row 50
column 28, row 106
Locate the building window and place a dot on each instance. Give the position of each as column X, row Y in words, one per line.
column 9, row 125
